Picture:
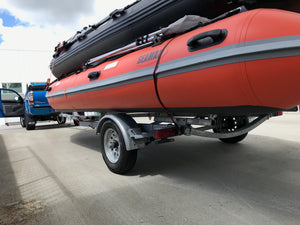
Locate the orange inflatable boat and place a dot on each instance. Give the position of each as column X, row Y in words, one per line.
column 245, row 64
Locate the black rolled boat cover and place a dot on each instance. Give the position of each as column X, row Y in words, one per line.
column 142, row 17
column 125, row 26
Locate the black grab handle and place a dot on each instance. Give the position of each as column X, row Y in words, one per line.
column 94, row 75
column 206, row 39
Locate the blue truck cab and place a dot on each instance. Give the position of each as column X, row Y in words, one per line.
column 36, row 104
column 34, row 107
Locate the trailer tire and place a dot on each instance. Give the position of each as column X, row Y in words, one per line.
column 234, row 140
column 113, row 149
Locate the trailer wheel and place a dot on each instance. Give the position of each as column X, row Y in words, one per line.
column 113, row 148
column 231, row 124
column 234, row 140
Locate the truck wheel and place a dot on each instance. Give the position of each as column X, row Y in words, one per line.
column 76, row 122
column 30, row 127
column 231, row 124
column 27, row 119
column 22, row 121
column 113, row 149
column 61, row 120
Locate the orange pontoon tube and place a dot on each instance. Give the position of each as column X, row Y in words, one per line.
column 246, row 64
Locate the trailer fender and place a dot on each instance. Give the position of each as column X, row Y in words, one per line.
column 129, row 128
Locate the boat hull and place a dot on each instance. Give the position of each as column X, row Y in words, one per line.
column 254, row 70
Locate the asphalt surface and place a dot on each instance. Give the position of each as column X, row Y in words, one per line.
column 56, row 175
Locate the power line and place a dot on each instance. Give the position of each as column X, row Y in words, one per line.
column 24, row 50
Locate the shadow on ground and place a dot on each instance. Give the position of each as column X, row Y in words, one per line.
column 52, row 126
column 87, row 138
column 13, row 210
column 261, row 171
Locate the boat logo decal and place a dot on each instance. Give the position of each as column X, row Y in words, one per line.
column 111, row 65
column 148, row 56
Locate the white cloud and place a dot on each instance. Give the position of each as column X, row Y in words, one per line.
column 54, row 12
column 27, row 38
column 61, row 17
column 66, row 13
column 26, row 51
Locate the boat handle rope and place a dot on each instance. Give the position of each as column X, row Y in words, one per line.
column 154, row 75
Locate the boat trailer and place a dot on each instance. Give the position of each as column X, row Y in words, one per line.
column 121, row 135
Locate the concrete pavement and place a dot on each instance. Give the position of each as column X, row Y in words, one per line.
column 56, row 175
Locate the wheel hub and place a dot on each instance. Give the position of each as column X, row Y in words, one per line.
column 112, row 145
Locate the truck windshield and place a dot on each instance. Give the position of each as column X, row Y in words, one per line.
column 37, row 88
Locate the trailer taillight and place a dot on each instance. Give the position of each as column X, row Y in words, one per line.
column 30, row 99
column 165, row 132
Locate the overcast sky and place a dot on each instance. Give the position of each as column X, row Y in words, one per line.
column 30, row 29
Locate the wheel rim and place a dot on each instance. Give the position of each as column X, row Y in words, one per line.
column 112, row 145
column 22, row 121
column 231, row 124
